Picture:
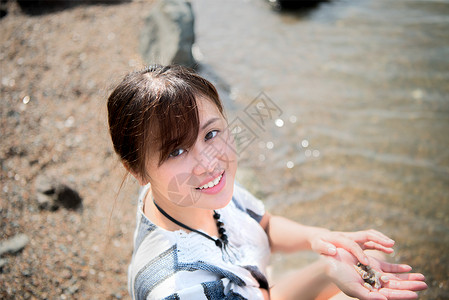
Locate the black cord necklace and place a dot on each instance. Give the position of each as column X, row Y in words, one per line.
column 220, row 242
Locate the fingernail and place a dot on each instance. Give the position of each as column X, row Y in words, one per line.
column 385, row 278
column 332, row 251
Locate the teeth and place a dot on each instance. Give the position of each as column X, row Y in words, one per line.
column 211, row 183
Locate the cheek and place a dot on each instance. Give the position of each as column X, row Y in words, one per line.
column 164, row 179
column 230, row 141
column 229, row 156
column 180, row 189
column 225, row 149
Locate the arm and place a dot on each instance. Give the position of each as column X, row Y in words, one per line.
column 306, row 283
column 288, row 236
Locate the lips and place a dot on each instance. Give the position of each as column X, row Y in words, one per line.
column 211, row 183
column 213, row 186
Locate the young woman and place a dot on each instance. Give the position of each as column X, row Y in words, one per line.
column 200, row 235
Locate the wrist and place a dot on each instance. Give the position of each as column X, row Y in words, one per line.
column 327, row 266
column 315, row 234
column 325, row 270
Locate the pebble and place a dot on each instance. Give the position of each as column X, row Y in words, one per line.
column 73, row 289
column 14, row 244
column 27, row 272
column 66, row 274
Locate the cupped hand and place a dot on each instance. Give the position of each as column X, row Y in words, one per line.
column 396, row 282
column 326, row 242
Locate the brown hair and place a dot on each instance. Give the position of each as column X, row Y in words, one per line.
column 156, row 109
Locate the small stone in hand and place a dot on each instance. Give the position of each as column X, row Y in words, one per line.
column 370, row 276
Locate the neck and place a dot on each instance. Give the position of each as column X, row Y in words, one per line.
column 196, row 218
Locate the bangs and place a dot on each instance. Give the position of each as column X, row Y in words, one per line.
column 173, row 122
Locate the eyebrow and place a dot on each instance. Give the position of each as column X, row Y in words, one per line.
column 209, row 122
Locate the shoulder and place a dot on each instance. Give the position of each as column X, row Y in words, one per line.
column 248, row 203
column 153, row 256
column 154, row 259
column 151, row 243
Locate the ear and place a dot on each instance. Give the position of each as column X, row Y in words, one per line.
column 138, row 177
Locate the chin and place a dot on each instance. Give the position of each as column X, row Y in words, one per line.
column 224, row 203
column 218, row 201
column 227, row 196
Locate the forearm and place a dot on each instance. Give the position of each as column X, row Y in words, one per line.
column 304, row 284
column 288, row 236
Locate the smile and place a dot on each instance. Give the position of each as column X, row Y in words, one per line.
column 211, row 183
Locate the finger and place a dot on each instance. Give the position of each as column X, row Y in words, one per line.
column 381, row 235
column 375, row 246
column 373, row 235
column 324, row 247
column 398, row 294
column 354, row 249
column 394, row 268
column 407, row 276
column 406, row 285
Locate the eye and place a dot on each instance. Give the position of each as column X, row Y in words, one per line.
column 211, row 135
column 176, row 152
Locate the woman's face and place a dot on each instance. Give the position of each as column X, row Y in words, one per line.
column 203, row 175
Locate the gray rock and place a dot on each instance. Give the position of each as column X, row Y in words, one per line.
column 168, row 34
column 14, row 244
column 52, row 194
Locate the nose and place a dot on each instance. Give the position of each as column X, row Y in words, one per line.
column 205, row 162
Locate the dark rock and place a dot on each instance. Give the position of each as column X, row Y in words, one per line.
column 52, row 194
column 298, row 4
column 16, row 151
column 3, row 8
column 38, row 7
column 168, row 34
column 14, row 244
column 3, row 262
column 68, row 197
